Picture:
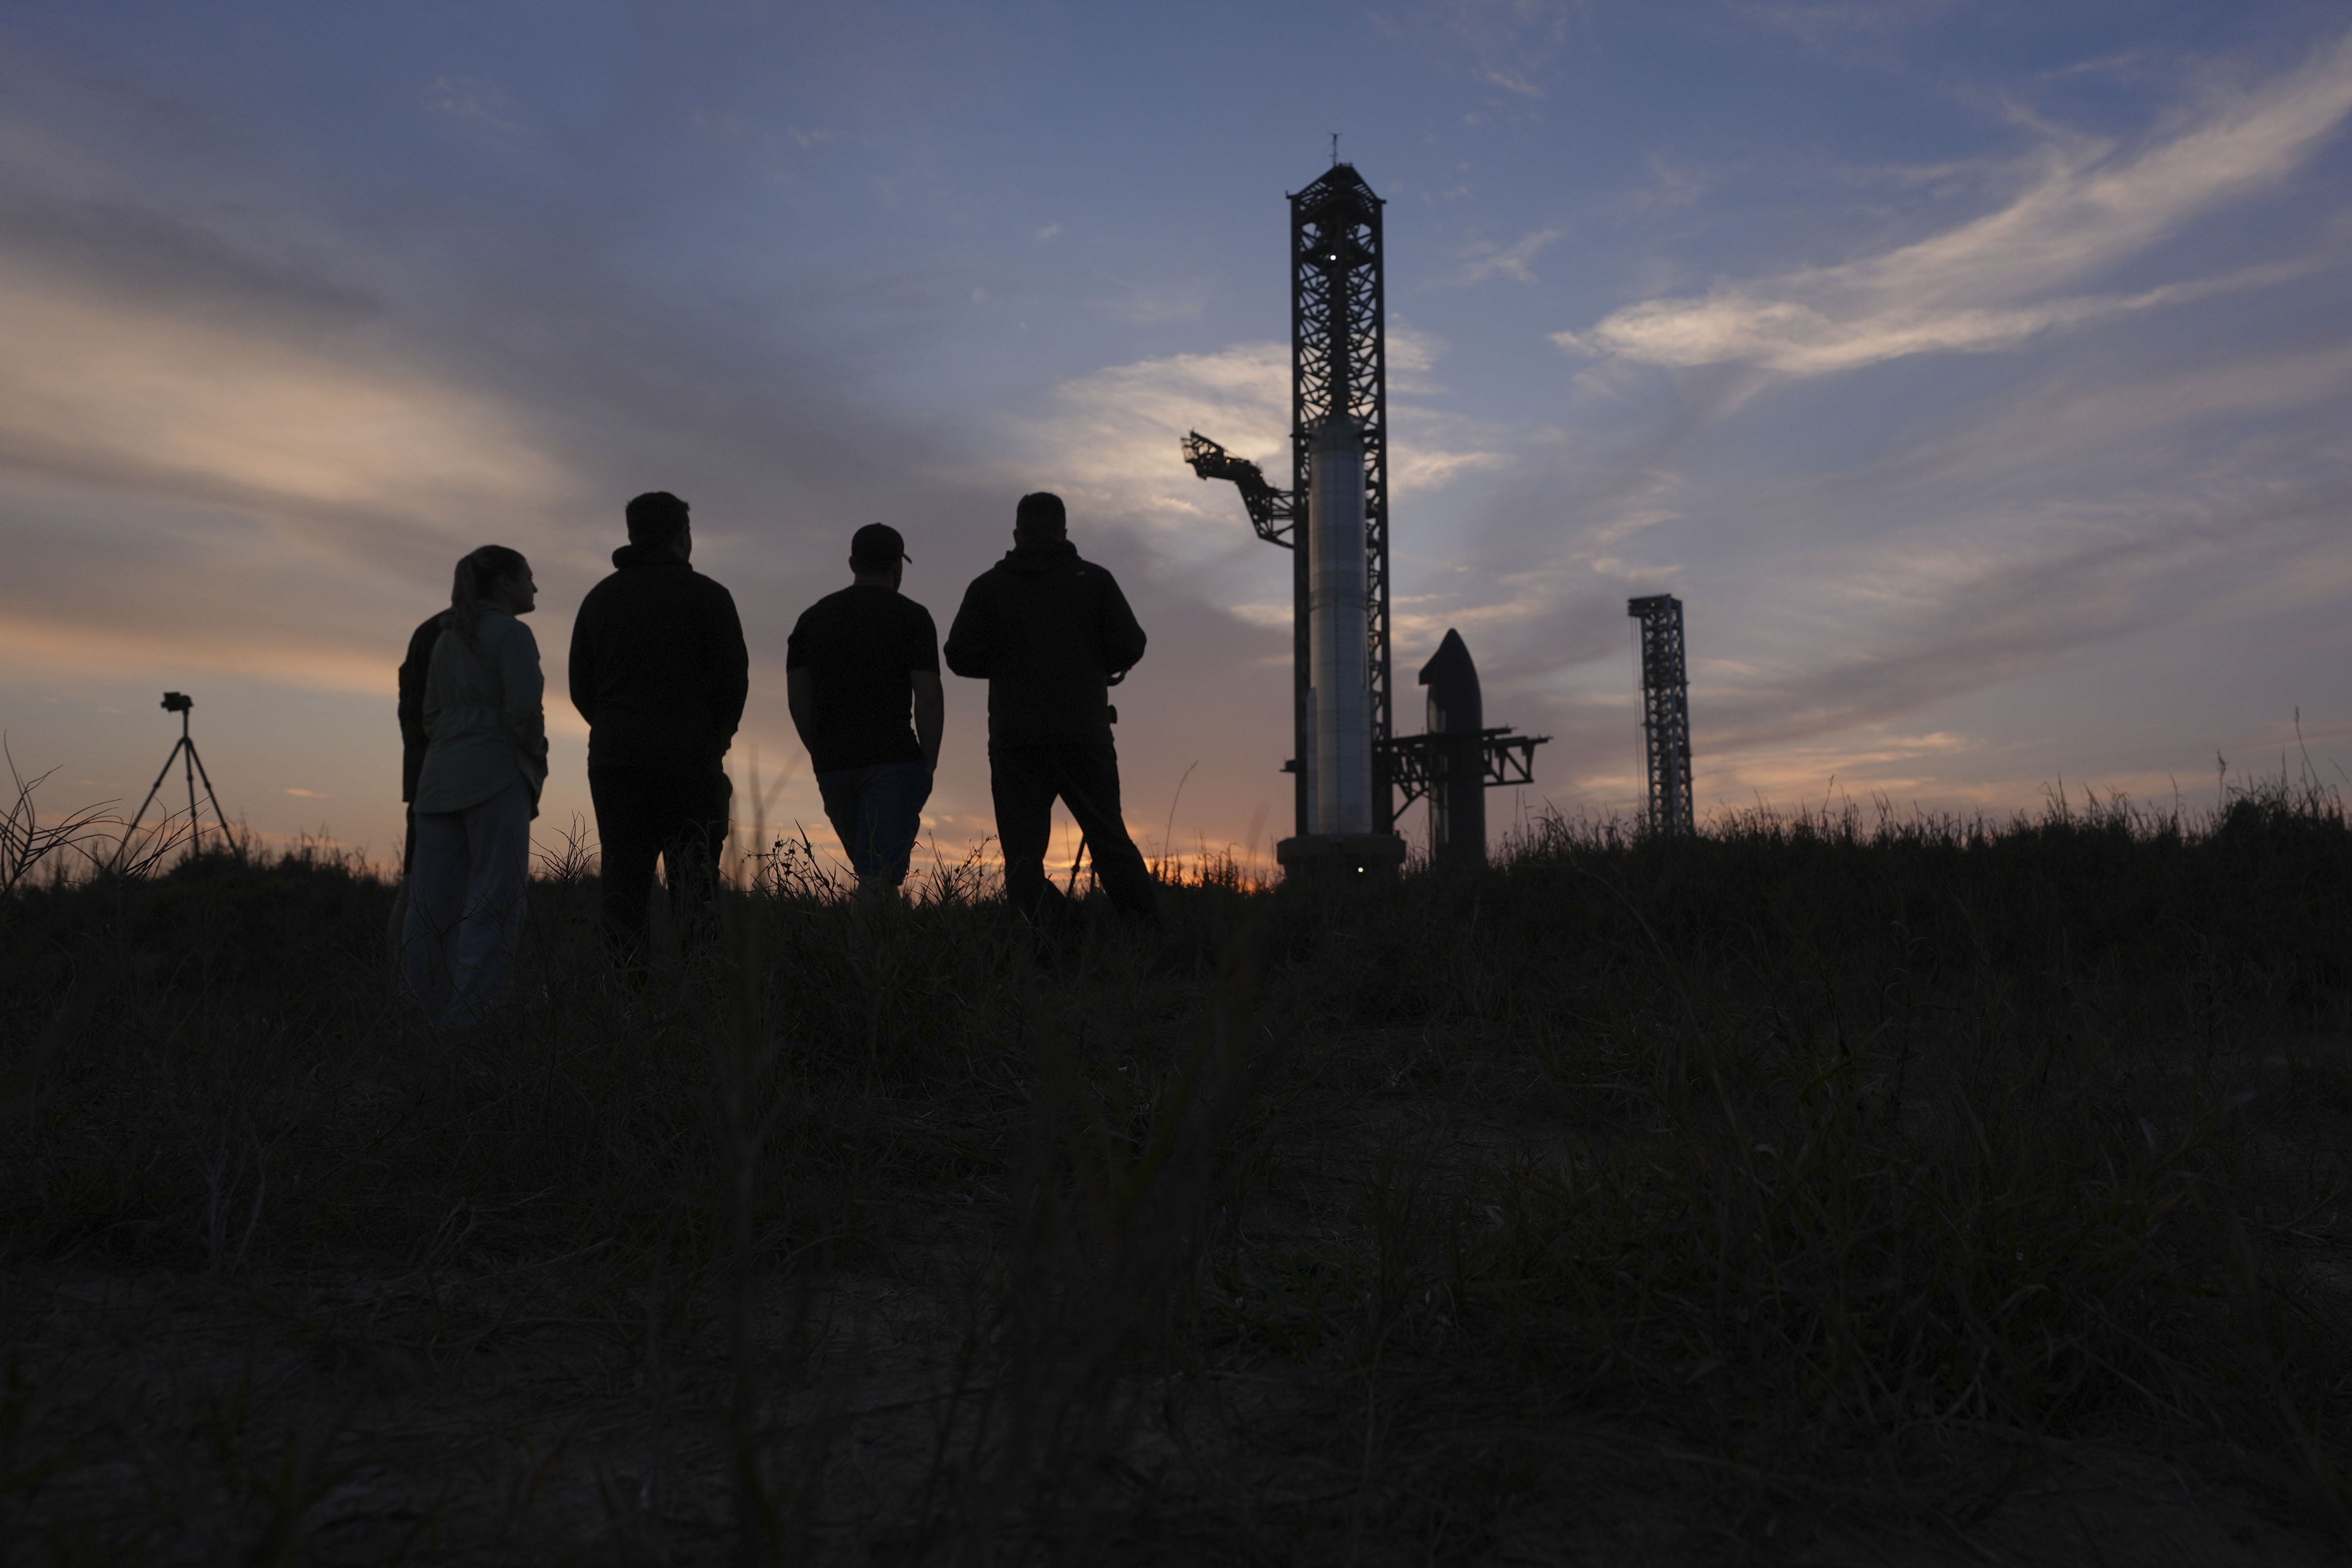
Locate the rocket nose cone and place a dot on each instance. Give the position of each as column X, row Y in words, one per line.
column 1451, row 662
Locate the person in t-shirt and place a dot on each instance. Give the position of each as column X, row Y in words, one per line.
column 860, row 664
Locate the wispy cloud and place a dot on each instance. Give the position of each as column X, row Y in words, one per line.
column 2004, row 277
column 1149, row 303
column 117, row 389
column 1843, row 23
column 1112, row 438
column 1115, row 433
column 1509, row 45
column 1514, row 261
column 476, row 106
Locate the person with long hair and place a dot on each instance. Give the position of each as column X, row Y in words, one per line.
column 485, row 763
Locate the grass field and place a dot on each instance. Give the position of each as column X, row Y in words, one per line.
column 1813, row 1191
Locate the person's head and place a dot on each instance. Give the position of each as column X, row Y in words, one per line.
column 878, row 556
column 491, row 578
column 659, row 519
column 1040, row 519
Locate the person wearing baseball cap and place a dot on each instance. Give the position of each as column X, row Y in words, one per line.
column 862, row 675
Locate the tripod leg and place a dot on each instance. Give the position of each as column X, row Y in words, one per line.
column 207, row 778
column 196, row 823
column 174, row 756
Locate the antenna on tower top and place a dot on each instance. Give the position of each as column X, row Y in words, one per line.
column 1335, row 149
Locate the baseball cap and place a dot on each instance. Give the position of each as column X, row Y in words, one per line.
column 877, row 545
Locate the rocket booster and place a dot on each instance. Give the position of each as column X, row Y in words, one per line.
column 1339, row 780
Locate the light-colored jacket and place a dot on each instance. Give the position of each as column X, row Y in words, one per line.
column 484, row 717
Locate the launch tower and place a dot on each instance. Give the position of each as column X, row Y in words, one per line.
column 1341, row 675
column 1346, row 760
column 1665, row 713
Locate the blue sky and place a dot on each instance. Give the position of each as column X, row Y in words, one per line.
column 1977, row 374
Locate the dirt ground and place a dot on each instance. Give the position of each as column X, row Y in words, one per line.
column 458, row 1408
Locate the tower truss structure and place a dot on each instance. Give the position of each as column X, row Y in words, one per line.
column 1339, row 366
column 1665, row 713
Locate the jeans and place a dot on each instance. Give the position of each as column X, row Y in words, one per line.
column 465, row 906
column 679, row 815
column 1025, row 781
column 877, row 811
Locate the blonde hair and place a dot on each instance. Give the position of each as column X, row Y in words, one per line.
column 478, row 576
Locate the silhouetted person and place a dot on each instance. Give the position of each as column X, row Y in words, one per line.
column 412, row 739
column 861, row 663
column 659, row 671
column 1050, row 633
column 476, row 791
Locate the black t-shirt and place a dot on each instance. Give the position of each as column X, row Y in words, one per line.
column 862, row 645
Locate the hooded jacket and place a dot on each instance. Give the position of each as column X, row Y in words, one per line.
column 659, row 667
column 483, row 720
column 1047, row 631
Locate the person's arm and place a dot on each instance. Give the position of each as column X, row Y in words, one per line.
column 580, row 672
column 967, row 648
column 731, row 669
column 1118, row 635
column 930, row 715
column 413, row 668
column 411, row 681
column 800, row 695
column 432, row 709
column 524, row 685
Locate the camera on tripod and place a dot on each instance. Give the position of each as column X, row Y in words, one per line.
column 183, row 751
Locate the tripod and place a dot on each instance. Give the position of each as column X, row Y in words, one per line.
column 183, row 751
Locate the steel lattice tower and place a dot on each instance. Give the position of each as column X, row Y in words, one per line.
column 1338, row 362
column 1339, row 410
column 1665, row 713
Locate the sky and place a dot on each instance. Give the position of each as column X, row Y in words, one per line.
column 1977, row 374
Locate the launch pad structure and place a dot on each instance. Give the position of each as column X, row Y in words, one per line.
column 1665, row 714
column 1347, row 762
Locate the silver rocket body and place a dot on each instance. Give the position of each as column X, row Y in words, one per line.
column 1340, row 763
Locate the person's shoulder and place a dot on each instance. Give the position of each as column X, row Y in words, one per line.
column 817, row 615
column 421, row 640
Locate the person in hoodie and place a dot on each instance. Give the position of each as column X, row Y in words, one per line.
column 1050, row 633
column 660, row 671
column 476, row 791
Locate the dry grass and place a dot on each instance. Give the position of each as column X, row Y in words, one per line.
column 1815, row 1190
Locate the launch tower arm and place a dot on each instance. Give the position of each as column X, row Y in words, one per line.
column 1413, row 762
column 1270, row 511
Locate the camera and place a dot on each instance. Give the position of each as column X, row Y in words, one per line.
column 178, row 702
